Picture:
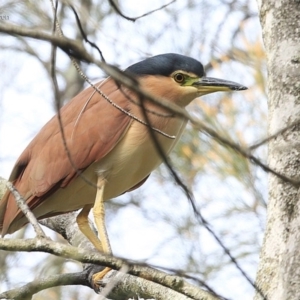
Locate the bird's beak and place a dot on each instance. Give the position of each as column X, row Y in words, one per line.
column 208, row 85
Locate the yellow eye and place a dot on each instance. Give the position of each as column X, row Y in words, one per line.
column 179, row 77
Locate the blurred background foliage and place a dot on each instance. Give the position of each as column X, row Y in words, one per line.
column 154, row 224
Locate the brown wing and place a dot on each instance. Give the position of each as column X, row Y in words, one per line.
column 44, row 166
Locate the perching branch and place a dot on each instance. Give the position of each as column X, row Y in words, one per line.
column 149, row 283
column 41, row 245
column 28, row 290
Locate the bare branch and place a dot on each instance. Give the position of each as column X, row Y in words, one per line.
column 273, row 136
column 25, row 292
column 67, row 226
column 133, row 286
column 117, row 9
column 26, row 211
column 130, row 286
column 175, row 283
column 83, row 34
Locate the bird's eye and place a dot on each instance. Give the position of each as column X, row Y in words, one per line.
column 179, row 77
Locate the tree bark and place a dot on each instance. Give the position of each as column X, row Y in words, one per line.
column 279, row 270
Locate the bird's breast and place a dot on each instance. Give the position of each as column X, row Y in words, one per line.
column 136, row 156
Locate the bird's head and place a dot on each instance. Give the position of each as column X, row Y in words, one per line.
column 178, row 78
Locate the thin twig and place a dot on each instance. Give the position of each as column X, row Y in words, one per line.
column 244, row 152
column 117, row 9
column 273, row 136
column 26, row 211
column 83, row 33
column 151, row 111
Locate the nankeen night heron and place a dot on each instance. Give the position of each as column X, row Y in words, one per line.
column 112, row 149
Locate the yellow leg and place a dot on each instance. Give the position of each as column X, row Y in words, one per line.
column 84, row 226
column 99, row 217
column 101, row 242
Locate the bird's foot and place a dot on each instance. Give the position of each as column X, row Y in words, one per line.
column 98, row 277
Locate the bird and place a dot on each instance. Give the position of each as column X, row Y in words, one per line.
column 109, row 148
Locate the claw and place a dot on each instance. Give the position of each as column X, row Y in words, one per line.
column 98, row 277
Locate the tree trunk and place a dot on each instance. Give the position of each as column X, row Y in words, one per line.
column 279, row 270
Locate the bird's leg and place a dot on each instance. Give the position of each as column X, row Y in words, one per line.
column 84, row 226
column 99, row 217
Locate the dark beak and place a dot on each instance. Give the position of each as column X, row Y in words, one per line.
column 208, row 85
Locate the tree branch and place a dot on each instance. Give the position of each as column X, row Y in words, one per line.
column 175, row 283
column 133, row 19
column 149, row 283
column 26, row 291
column 41, row 245
column 26, row 211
